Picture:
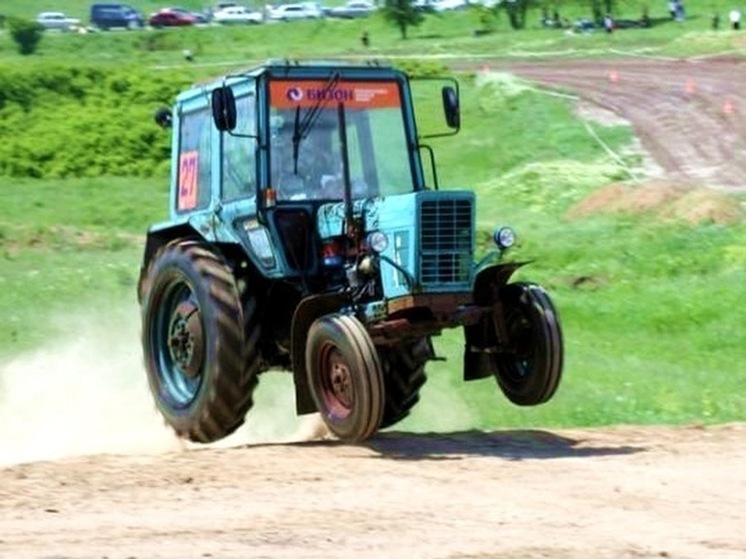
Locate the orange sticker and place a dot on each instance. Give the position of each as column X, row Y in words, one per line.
column 188, row 166
column 288, row 94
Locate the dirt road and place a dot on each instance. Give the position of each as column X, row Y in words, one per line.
column 688, row 114
column 616, row 493
column 613, row 493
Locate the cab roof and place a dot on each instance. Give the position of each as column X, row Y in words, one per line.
column 310, row 69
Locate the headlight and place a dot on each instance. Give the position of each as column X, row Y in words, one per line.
column 504, row 237
column 377, row 241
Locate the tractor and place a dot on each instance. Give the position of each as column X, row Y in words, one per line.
column 307, row 233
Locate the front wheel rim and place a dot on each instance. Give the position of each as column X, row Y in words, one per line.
column 336, row 382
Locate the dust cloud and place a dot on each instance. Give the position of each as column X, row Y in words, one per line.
column 86, row 393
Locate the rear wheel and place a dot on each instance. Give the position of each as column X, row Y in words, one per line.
column 404, row 376
column 529, row 368
column 199, row 342
column 345, row 377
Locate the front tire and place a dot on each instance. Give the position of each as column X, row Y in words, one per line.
column 199, row 342
column 345, row 377
column 528, row 369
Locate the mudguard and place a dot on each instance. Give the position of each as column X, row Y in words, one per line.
column 480, row 339
column 309, row 310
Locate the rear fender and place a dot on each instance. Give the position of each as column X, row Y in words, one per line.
column 480, row 338
column 309, row 310
column 158, row 238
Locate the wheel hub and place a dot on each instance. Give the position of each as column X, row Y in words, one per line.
column 186, row 339
column 340, row 380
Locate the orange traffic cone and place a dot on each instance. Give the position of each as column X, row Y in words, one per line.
column 691, row 86
column 728, row 107
column 613, row 76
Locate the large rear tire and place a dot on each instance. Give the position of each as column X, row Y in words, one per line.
column 199, row 342
column 345, row 377
column 529, row 368
column 403, row 376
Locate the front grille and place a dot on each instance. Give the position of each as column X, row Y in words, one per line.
column 445, row 242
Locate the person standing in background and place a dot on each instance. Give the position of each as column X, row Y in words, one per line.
column 735, row 19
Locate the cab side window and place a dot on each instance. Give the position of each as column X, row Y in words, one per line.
column 195, row 177
column 239, row 152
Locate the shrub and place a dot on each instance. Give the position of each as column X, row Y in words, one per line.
column 26, row 34
column 84, row 121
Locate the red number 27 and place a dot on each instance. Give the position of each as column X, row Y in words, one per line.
column 188, row 173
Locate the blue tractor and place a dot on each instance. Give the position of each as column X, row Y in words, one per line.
column 304, row 236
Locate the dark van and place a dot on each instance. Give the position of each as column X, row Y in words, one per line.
column 107, row 16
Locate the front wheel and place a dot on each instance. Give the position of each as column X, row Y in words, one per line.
column 345, row 377
column 528, row 366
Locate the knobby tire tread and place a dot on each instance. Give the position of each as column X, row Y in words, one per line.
column 404, row 376
column 230, row 396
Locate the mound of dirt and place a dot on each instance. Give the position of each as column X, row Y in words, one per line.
column 663, row 200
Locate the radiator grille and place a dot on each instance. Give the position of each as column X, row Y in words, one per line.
column 445, row 244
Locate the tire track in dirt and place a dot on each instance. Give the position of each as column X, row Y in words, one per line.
column 689, row 115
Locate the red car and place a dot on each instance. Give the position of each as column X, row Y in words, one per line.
column 168, row 17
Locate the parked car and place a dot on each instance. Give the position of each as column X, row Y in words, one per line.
column 445, row 5
column 237, row 14
column 167, row 17
column 304, row 10
column 57, row 20
column 109, row 16
column 352, row 9
column 201, row 17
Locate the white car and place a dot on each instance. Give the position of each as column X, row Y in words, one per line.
column 237, row 14
column 57, row 20
column 439, row 5
column 304, row 10
column 352, row 9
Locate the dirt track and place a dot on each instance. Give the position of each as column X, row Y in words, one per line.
column 689, row 114
column 614, row 493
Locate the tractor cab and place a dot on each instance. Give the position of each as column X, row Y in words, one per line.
column 324, row 132
column 321, row 140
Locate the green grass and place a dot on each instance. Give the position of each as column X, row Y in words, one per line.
column 69, row 243
column 440, row 35
column 654, row 336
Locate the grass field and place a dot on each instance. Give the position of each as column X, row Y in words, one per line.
column 439, row 35
column 652, row 331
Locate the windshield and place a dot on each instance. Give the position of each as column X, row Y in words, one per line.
column 307, row 152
